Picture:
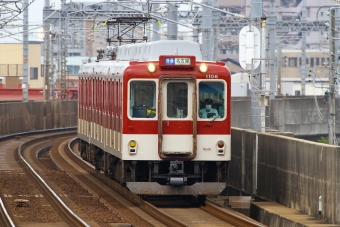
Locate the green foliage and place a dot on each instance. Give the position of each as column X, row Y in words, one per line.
column 323, row 140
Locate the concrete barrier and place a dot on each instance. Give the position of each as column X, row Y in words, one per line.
column 16, row 117
column 299, row 115
column 290, row 171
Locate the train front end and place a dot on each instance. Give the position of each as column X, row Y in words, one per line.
column 177, row 129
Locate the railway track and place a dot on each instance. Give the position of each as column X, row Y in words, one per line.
column 23, row 158
column 208, row 211
column 87, row 197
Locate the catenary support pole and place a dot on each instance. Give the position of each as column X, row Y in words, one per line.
column 24, row 83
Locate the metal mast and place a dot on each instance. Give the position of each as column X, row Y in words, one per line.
column 303, row 51
column 332, row 80
column 155, row 26
column 172, row 27
column 63, row 52
column 263, row 73
column 47, row 50
column 256, row 14
column 216, row 29
column 25, row 54
column 206, row 28
column 272, row 34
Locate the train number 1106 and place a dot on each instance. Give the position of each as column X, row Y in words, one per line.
column 210, row 76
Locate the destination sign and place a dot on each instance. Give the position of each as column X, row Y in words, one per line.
column 177, row 61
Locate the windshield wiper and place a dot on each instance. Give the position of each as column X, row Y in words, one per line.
column 214, row 118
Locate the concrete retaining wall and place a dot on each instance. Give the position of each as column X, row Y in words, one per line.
column 299, row 115
column 291, row 171
column 16, row 117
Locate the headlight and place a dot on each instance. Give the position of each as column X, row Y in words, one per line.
column 132, row 143
column 203, row 68
column 132, row 146
column 151, row 68
column 220, row 147
column 220, row 144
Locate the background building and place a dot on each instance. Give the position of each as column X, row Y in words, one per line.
column 11, row 61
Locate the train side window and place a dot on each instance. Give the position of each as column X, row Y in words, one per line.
column 142, row 103
column 211, row 99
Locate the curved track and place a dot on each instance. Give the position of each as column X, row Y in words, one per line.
column 88, row 197
column 23, row 158
column 207, row 214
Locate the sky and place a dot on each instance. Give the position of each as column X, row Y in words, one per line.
column 35, row 19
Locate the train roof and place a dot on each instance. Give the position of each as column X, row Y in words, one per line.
column 141, row 52
column 104, row 67
column 152, row 50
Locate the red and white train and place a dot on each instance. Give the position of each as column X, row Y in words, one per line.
column 157, row 118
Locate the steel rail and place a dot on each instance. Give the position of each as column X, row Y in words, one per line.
column 230, row 216
column 226, row 215
column 60, row 206
column 5, row 219
column 145, row 206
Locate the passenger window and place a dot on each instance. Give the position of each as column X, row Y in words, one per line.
column 211, row 99
column 142, row 99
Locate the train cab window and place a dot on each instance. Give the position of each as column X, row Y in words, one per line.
column 211, row 99
column 177, row 100
column 142, row 101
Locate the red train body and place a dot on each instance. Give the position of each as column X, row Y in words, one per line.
column 157, row 118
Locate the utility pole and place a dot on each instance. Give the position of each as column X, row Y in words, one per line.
column 332, row 80
column 47, row 50
column 172, row 27
column 303, row 51
column 52, row 81
column 256, row 13
column 272, row 36
column 206, row 28
column 279, row 65
column 216, row 30
column 24, row 83
column 195, row 22
column 263, row 73
column 155, row 26
column 63, row 33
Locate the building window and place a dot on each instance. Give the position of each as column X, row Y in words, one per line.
column 311, row 63
column 317, row 61
column 73, row 69
column 223, row 51
column 292, row 62
column 34, row 73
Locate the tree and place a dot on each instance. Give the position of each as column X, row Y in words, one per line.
column 323, row 140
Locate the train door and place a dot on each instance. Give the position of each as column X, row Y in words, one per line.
column 177, row 123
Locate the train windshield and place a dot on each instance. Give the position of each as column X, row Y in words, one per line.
column 211, row 99
column 142, row 99
column 177, row 100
